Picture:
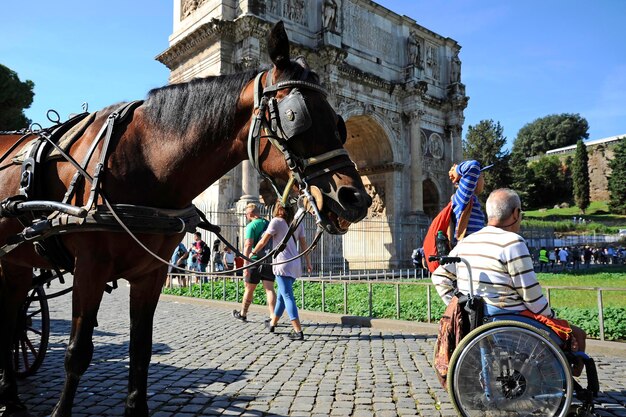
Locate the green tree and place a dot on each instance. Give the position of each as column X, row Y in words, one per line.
column 553, row 182
column 15, row 96
column 523, row 180
column 550, row 132
column 580, row 176
column 617, row 179
column 484, row 143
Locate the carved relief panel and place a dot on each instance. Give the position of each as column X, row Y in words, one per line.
column 293, row 10
column 432, row 61
column 187, row 7
column 377, row 192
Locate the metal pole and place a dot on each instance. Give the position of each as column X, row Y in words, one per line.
column 223, row 288
column 345, row 298
column 600, row 314
column 322, row 254
column 323, row 297
column 369, row 297
column 428, row 307
column 302, row 293
column 236, row 289
column 398, row 301
column 212, row 288
column 548, row 295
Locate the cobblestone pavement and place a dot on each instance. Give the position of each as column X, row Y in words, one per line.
column 206, row 363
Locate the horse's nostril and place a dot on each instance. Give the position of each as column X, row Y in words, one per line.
column 351, row 197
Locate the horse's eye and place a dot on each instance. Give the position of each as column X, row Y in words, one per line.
column 341, row 130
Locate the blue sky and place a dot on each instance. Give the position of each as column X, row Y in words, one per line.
column 521, row 59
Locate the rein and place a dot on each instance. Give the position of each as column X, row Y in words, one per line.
column 273, row 253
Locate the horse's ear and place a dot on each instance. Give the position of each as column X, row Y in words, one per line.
column 278, row 46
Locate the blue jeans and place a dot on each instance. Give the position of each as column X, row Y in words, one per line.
column 285, row 299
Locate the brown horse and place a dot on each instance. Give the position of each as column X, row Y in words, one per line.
column 178, row 142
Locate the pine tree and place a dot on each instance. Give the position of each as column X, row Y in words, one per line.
column 617, row 179
column 580, row 176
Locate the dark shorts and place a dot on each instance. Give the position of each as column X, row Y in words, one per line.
column 255, row 276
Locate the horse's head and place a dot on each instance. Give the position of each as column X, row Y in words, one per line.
column 295, row 133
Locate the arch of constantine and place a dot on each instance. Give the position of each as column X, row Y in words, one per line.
column 396, row 83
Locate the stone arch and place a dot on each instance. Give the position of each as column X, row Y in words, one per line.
column 432, row 201
column 368, row 143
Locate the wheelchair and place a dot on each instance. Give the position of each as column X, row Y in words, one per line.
column 512, row 365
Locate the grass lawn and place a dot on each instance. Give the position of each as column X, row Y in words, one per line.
column 605, row 278
column 597, row 216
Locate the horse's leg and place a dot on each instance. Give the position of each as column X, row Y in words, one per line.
column 144, row 296
column 14, row 285
column 89, row 282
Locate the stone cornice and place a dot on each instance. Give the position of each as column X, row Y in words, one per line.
column 202, row 35
column 378, row 169
column 364, row 77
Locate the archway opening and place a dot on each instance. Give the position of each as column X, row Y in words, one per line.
column 367, row 144
column 431, row 198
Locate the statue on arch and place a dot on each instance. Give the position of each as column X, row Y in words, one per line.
column 455, row 68
column 414, row 50
column 329, row 14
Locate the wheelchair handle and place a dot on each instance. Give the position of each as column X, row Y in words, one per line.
column 444, row 260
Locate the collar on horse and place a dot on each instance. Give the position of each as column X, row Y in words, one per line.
column 288, row 117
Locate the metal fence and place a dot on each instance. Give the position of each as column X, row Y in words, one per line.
column 373, row 244
column 380, row 243
column 211, row 290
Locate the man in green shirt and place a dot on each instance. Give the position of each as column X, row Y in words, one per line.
column 252, row 276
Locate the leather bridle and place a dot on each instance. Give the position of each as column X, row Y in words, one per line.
column 288, row 117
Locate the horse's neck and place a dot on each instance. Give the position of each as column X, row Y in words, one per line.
column 191, row 163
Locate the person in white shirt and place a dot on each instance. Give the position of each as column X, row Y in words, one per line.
column 563, row 255
column 285, row 272
column 502, row 268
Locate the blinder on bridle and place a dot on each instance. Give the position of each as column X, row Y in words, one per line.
column 289, row 117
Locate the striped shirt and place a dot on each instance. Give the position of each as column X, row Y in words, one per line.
column 470, row 172
column 502, row 272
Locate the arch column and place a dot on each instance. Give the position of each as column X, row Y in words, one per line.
column 249, row 184
column 417, row 195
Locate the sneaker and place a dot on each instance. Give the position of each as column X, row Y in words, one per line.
column 238, row 316
column 293, row 335
column 269, row 326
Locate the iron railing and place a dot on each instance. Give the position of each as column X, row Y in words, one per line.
column 397, row 279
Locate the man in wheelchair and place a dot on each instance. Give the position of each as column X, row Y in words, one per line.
column 504, row 280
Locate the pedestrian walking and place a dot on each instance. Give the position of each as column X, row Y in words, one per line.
column 253, row 276
column 285, row 272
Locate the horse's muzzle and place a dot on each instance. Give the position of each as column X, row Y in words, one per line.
column 354, row 203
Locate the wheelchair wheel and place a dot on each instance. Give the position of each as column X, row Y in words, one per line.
column 508, row 368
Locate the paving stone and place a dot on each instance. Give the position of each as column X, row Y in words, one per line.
column 206, row 364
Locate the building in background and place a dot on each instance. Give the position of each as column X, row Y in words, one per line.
column 396, row 84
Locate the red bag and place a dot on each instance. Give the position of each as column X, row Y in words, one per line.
column 441, row 222
column 559, row 326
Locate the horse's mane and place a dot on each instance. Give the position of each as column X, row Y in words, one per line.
column 207, row 103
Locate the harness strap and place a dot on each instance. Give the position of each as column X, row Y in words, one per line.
column 264, row 101
column 114, row 119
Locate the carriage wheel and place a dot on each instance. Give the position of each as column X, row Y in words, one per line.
column 509, row 369
column 32, row 333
